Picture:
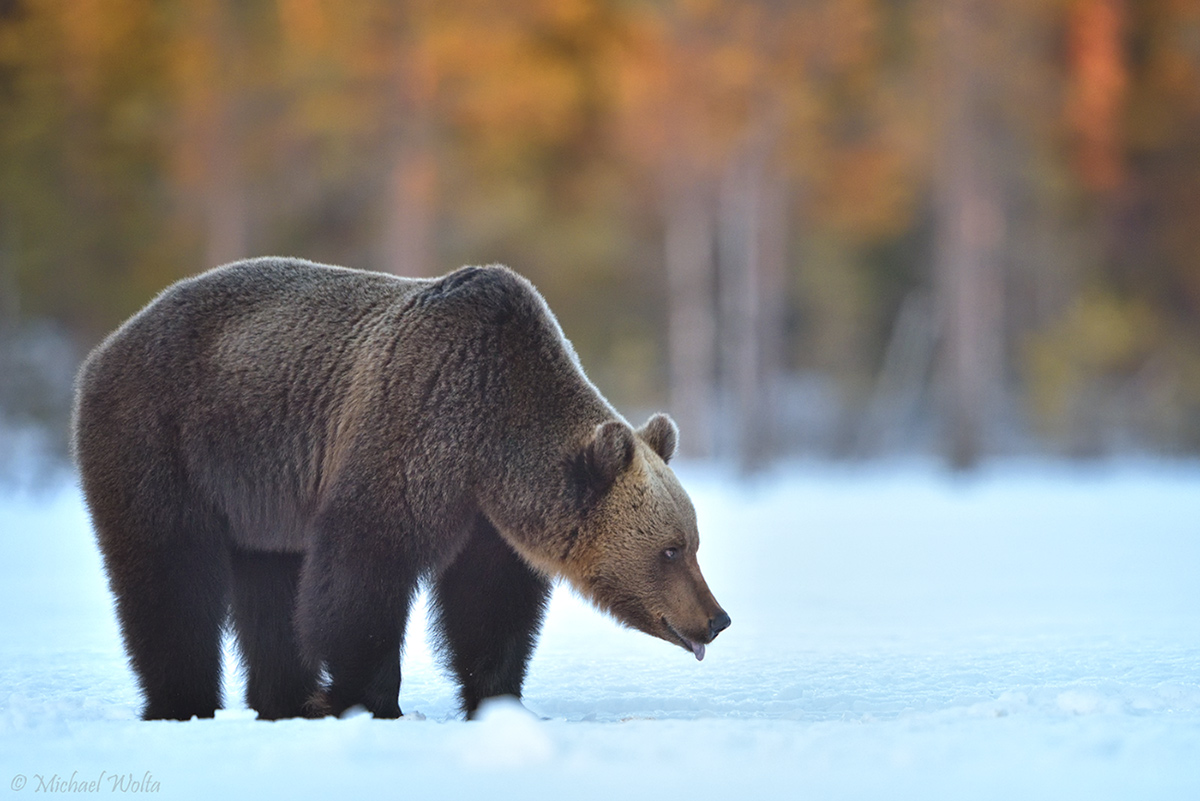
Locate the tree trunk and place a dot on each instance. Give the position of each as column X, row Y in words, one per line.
column 409, row 221
column 691, row 330
column 409, row 210
column 219, row 128
column 751, row 271
column 969, row 223
column 226, row 231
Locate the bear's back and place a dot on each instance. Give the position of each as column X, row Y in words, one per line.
column 265, row 381
column 267, row 310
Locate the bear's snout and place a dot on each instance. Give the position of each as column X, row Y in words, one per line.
column 718, row 624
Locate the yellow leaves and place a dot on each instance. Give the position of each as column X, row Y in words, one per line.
column 1099, row 79
column 568, row 13
column 1166, row 98
column 734, row 68
column 95, row 33
column 1108, row 333
column 304, row 24
column 509, row 86
column 544, row 131
column 1101, row 338
column 1119, row 362
column 848, row 31
column 1180, row 47
column 866, row 191
column 83, row 43
column 696, row 85
column 698, row 8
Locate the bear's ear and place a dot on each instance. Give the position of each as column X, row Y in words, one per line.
column 661, row 434
column 608, row 453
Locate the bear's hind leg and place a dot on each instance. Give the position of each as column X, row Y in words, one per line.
column 172, row 602
column 279, row 682
column 488, row 607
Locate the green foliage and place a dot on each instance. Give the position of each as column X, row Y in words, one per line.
column 1115, row 364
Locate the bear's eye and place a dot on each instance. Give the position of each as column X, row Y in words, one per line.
column 671, row 554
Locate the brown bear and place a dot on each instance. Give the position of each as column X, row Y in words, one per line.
column 296, row 447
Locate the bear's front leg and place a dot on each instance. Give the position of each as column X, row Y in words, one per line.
column 370, row 679
column 352, row 607
column 488, row 607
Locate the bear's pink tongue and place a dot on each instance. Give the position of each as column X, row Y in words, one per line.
column 697, row 649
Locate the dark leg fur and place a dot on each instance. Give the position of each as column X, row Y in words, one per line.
column 353, row 604
column 172, row 601
column 164, row 551
column 368, row 675
column 488, row 609
column 279, row 683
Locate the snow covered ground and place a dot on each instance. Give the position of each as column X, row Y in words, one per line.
column 1033, row 632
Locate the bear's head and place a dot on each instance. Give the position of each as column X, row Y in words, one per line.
column 633, row 552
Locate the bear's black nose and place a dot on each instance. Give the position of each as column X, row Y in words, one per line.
column 718, row 624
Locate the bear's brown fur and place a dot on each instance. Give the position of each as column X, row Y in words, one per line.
column 300, row 445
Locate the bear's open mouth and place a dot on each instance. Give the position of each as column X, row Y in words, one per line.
column 696, row 648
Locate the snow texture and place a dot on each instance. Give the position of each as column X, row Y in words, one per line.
column 1032, row 632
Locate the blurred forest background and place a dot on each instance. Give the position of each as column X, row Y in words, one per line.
column 838, row 228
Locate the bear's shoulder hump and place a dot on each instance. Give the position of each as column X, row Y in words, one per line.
column 494, row 293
